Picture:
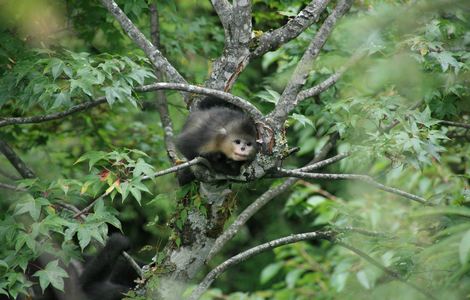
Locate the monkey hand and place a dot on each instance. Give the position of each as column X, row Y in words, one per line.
column 117, row 243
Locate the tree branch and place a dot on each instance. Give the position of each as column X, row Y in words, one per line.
column 245, row 105
column 12, row 187
column 156, row 174
column 364, row 178
column 176, row 168
column 54, row 116
column 161, row 100
column 16, row 161
column 267, row 196
column 288, row 98
column 155, row 56
column 327, row 83
column 321, row 164
column 271, row 40
column 396, row 122
column 455, row 124
column 217, row 271
column 237, row 36
column 223, row 9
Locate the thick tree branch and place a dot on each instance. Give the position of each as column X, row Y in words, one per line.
column 161, row 100
column 217, row 271
column 16, row 161
column 267, row 196
column 223, row 9
column 237, row 28
column 247, row 106
column 271, row 40
column 326, row 235
column 288, row 98
column 155, row 56
column 364, row 178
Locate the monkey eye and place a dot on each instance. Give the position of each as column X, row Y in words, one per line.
column 237, row 142
column 248, row 144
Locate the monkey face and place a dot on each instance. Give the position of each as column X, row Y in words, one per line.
column 242, row 149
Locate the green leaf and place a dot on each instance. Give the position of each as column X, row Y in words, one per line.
column 136, row 193
column 31, row 206
column 464, row 248
column 62, row 99
column 302, row 119
column 93, row 157
column 292, row 277
column 52, row 274
column 57, row 67
column 270, row 96
column 84, row 236
column 446, row 59
column 315, row 200
column 363, row 280
column 270, row 271
column 142, row 167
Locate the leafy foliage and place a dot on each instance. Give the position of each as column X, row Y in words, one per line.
column 390, row 109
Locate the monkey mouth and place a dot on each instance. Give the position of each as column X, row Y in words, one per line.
column 239, row 156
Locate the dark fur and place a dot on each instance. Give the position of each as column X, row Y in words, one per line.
column 108, row 275
column 203, row 126
column 105, row 276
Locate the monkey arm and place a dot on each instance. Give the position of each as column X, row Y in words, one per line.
column 101, row 266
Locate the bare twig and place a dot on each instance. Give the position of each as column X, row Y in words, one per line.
column 364, row 178
column 217, row 271
column 161, row 100
column 325, row 162
column 271, row 40
column 16, row 161
column 157, row 174
column 133, row 264
column 396, row 122
column 362, row 231
column 54, row 116
column 264, row 199
column 288, row 98
column 455, row 124
column 327, row 83
column 12, row 187
column 176, row 168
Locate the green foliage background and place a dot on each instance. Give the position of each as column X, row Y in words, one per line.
column 56, row 54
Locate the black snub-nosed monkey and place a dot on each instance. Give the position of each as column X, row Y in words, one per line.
column 219, row 132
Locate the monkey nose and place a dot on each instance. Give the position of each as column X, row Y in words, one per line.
column 243, row 148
